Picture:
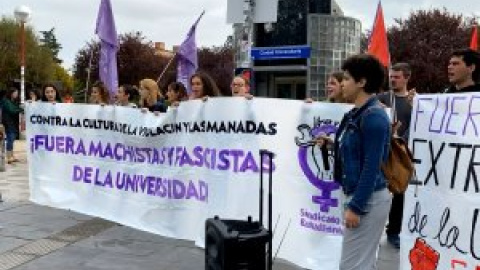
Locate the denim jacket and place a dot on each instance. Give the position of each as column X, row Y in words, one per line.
column 362, row 144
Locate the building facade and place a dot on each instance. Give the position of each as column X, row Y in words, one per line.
column 332, row 39
column 161, row 50
column 293, row 57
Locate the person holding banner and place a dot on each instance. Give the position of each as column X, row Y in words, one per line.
column 124, row 94
column 99, row 94
column 50, row 94
column 33, row 95
column 10, row 118
column 334, row 87
column 203, row 86
column 361, row 145
column 67, row 96
column 397, row 99
column 150, row 97
column 240, row 87
column 464, row 71
column 176, row 93
column 334, row 91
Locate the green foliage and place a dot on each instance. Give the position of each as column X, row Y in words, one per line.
column 40, row 64
column 425, row 40
column 137, row 60
column 49, row 40
column 61, row 75
column 218, row 63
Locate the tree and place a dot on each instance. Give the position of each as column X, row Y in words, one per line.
column 136, row 60
column 40, row 66
column 61, row 75
column 49, row 40
column 218, row 62
column 425, row 40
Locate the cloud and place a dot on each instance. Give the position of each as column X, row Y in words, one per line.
column 169, row 20
column 365, row 10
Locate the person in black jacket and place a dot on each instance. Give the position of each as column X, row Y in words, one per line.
column 397, row 99
column 10, row 119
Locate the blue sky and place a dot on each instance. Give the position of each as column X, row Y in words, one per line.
column 169, row 21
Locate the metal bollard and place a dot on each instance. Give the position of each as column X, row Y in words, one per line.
column 2, row 152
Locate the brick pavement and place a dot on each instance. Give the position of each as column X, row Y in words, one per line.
column 39, row 237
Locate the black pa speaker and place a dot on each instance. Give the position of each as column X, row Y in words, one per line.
column 235, row 245
column 239, row 244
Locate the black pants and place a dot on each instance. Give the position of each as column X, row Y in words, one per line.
column 396, row 215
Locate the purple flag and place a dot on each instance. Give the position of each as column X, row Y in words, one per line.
column 108, row 47
column 187, row 57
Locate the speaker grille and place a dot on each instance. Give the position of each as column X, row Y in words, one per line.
column 235, row 245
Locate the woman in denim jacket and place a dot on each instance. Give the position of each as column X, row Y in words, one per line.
column 361, row 145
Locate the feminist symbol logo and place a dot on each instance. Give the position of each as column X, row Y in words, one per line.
column 309, row 156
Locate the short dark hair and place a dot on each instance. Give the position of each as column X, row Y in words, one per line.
column 470, row 57
column 37, row 92
column 404, row 68
column 129, row 90
column 364, row 66
column 178, row 88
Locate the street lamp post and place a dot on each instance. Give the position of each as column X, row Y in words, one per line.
column 247, row 35
column 22, row 13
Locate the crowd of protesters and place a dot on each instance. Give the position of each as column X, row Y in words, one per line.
column 366, row 129
column 147, row 96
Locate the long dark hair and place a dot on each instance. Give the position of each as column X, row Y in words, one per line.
column 9, row 93
column 58, row 98
column 210, row 88
column 35, row 92
column 104, row 94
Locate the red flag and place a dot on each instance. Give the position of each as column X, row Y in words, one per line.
column 474, row 41
column 378, row 43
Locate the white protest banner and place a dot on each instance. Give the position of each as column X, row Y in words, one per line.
column 167, row 174
column 440, row 220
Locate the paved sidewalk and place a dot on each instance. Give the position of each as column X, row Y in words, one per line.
column 39, row 237
column 14, row 181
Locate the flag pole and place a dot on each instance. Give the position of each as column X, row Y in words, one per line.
column 166, row 67
column 109, row 46
column 89, row 71
column 474, row 38
column 187, row 54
